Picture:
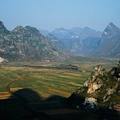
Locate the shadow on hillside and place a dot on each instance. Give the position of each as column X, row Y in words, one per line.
column 26, row 104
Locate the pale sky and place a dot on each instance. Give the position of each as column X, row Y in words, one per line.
column 51, row 14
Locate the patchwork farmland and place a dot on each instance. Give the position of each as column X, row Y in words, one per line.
column 46, row 82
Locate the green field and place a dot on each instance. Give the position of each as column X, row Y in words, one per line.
column 46, row 82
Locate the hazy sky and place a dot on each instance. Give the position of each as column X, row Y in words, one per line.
column 50, row 14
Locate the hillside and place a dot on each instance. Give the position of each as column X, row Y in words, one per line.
column 58, row 44
column 26, row 43
column 110, row 42
column 101, row 90
column 20, row 43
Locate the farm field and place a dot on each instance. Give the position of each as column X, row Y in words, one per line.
column 41, row 93
column 46, row 82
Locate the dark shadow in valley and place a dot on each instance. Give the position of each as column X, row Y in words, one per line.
column 22, row 106
column 27, row 104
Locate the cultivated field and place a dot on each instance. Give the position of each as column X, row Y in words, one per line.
column 40, row 93
column 46, row 82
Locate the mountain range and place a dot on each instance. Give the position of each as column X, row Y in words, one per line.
column 88, row 42
column 28, row 43
column 75, row 39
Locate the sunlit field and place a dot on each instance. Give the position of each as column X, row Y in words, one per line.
column 46, row 82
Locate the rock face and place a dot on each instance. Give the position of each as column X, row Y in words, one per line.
column 1, row 60
column 26, row 43
column 101, row 90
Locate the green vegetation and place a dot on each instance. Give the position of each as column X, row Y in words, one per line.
column 46, row 82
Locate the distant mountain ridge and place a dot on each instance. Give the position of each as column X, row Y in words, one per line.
column 110, row 42
column 76, row 32
column 89, row 42
column 76, row 40
column 26, row 43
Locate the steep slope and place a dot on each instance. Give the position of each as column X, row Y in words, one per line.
column 58, row 44
column 89, row 45
column 26, row 43
column 3, row 29
column 69, row 39
column 110, row 42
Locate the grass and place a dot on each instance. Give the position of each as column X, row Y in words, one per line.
column 46, row 82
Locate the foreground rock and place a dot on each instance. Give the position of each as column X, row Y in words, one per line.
column 101, row 90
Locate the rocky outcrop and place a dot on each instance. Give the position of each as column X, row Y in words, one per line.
column 1, row 60
column 101, row 90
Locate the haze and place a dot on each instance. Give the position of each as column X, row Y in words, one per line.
column 51, row 14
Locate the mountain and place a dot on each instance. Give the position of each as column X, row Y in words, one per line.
column 3, row 29
column 58, row 44
column 62, row 33
column 110, row 42
column 85, row 32
column 44, row 32
column 92, row 43
column 89, row 45
column 89, row 42
column 26, row 43
column 76, row 32
column 67, row 38
column 81, row 41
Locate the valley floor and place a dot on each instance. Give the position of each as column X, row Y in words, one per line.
column 29, row 92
